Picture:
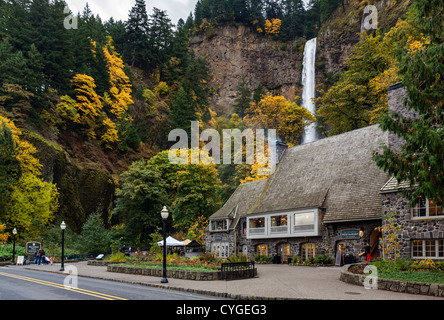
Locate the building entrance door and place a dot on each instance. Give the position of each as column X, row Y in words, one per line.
column 284, row 252
column 375, row 235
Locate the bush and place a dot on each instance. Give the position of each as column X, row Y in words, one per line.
column 6, row 251
column 208, row 257
column 424, row 265
column 119, row 257
column 323, row 259
column 241, row 257
column 262, row 259
column 400, row 264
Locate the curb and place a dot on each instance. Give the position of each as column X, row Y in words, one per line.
column 217, row 294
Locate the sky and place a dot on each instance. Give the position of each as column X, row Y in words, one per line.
column 119, row 9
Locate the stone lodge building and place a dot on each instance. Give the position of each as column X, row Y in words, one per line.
column 323, row 197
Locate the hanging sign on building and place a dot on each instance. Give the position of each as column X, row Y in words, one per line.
column 350, row 234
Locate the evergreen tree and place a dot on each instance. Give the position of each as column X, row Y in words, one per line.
column 182, row 111
column 243, row 98
column 160, row 36
column 9, row 165
column 293, row 20
column 420, row 159
column 137, row 28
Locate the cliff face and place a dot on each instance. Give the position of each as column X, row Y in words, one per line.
column 234, row 53
column 340, row 32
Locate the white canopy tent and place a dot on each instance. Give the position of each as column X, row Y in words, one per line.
column 171, row 242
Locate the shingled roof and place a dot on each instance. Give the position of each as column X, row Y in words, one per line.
column 241, row 201
column 337, row 173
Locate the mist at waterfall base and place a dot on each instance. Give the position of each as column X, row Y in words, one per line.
column 308, row 83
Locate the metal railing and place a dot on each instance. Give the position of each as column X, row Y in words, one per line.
column 237, row 270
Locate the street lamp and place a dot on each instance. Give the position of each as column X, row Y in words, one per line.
column 14, row 232
column 63, row 227
column 164, row 213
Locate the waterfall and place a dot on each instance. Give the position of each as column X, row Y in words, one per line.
column 308, row 82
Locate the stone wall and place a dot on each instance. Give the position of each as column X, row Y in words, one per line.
column 411, row 229
column 327, row 243
column 431, row 289
column 177, row 274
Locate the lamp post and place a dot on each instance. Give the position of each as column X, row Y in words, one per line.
column 63, row 227
column 164, row 213
column 14, row 233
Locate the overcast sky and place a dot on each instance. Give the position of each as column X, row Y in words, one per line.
column 119, row 9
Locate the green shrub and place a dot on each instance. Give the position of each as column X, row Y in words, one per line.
column 241, row 257
column 323, row 259
column 6, row 251
column 262, row 259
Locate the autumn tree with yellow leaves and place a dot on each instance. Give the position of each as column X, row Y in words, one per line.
column 276, row 112
column 86, row 107
column 273, row 27
column 27, row 201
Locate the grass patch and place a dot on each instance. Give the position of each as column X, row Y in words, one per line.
column 182, row 267
column 414, row 276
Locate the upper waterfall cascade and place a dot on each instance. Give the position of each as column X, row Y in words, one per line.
column 308, row 82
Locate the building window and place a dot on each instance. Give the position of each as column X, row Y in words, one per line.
column 309, row 250
column 219, row 225
column 262, row 249
column 279, row 224
column 304, row 222
column 428, row 208
column 221, row 249
column 257, row 225
column 422, row 249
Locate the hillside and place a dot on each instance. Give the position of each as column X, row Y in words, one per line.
column 95, row 105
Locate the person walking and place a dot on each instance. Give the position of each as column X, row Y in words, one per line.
column 366, row 252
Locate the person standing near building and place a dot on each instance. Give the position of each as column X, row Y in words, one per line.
column 366, row 252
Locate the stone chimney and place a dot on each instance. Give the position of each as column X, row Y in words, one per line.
column 280, row 150
column 397, row 102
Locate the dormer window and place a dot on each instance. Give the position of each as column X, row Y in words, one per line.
column 219, row 225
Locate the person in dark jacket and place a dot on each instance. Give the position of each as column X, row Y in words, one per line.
column 366, row 252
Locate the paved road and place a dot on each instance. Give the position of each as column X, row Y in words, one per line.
column 19, row 284
column 274, row 281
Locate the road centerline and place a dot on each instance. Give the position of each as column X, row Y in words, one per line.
column 61, row 286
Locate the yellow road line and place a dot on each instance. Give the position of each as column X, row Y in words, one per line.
column 61, row 286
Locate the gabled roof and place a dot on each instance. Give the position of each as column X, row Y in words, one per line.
column 241, row 201
column 337, row 173
column 393, row 185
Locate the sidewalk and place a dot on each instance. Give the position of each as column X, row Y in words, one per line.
column 273, row 282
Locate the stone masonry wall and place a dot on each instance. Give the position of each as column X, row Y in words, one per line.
column 411, row 229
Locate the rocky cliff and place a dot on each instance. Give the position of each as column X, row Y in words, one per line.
column 233, row 52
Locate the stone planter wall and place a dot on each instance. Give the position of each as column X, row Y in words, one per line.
column 102, row 263
column 431, row 289
column 177, row 274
